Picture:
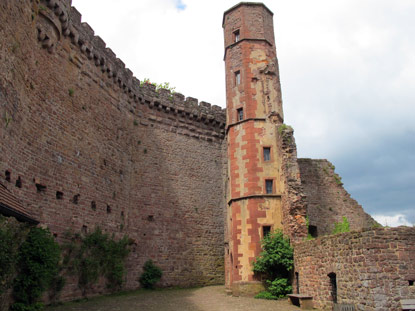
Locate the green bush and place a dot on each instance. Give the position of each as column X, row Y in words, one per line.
column 279, row 287
column 38, row 263
column 151, row 275
column 341, row 227
column 274, row 263
column 96, row 255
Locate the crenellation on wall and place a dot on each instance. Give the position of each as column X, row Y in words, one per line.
column 85, row 144
column 110, row 153
column 94, row 48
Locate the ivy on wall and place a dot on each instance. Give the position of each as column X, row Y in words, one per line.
column 96, row 255
column 37, row 266
column 32, row 262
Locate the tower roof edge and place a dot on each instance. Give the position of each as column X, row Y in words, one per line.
column 247, row 4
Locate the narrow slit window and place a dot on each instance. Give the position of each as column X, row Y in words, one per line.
column 269, row 186
column 7, row 176
column 333, row 286
column 236, row 36
column 240, row 112
column 266, row 230
column 19, row 182
column 237, row 77
column 267, row 154
column 297, row 281
column 59, row 195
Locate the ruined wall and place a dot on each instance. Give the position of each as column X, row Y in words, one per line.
column 327, row 200
column 93, row 148
column 374, row 268
column 294, row 201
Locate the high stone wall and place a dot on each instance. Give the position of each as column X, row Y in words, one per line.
column 93, row 148
column 327, row 200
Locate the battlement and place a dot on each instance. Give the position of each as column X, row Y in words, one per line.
column 94, row 48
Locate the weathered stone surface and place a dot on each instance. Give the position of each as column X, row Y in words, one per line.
column 327, row 200
column 90, row 135
column 254, row 116
column 373, row 268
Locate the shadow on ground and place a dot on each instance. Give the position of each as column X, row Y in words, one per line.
column 212, row 298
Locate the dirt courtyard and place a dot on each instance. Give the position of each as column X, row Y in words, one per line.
column 212, row 298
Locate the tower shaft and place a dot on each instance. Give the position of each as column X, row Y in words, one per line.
column 254, row 108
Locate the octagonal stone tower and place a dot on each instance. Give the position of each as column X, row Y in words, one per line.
column 254, row 112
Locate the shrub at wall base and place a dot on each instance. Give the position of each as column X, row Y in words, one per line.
column 274, row 263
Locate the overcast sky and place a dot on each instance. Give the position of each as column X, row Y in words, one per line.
column 347, row 71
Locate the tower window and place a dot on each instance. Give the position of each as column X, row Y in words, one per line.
column 240, row 112
column 236, row 36
column 267, row 153
column 266, row 230
column 237, row 77
column 269, row 186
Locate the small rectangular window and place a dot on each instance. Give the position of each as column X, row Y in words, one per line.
column 266, row 230
column 237, row 78
column 240, row 112
column 267, row 154
column 269, row 186
column 312, row 230
column 236, row 36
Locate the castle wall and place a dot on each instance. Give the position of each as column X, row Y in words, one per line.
column 327, row 200
column 93, row 148
column 374, row 268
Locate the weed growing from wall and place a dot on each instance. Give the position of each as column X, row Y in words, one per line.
column 338, row 179
column 96, row 255
column 151, row 275
column 165, row 85
column 274, row 264
column 341, row 227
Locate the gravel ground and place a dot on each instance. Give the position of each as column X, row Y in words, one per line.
column 212, row 298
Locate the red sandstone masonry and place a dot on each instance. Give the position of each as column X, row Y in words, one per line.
column 372, row 267
column 294, row 201
column 125, row 158
column 327, row 200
